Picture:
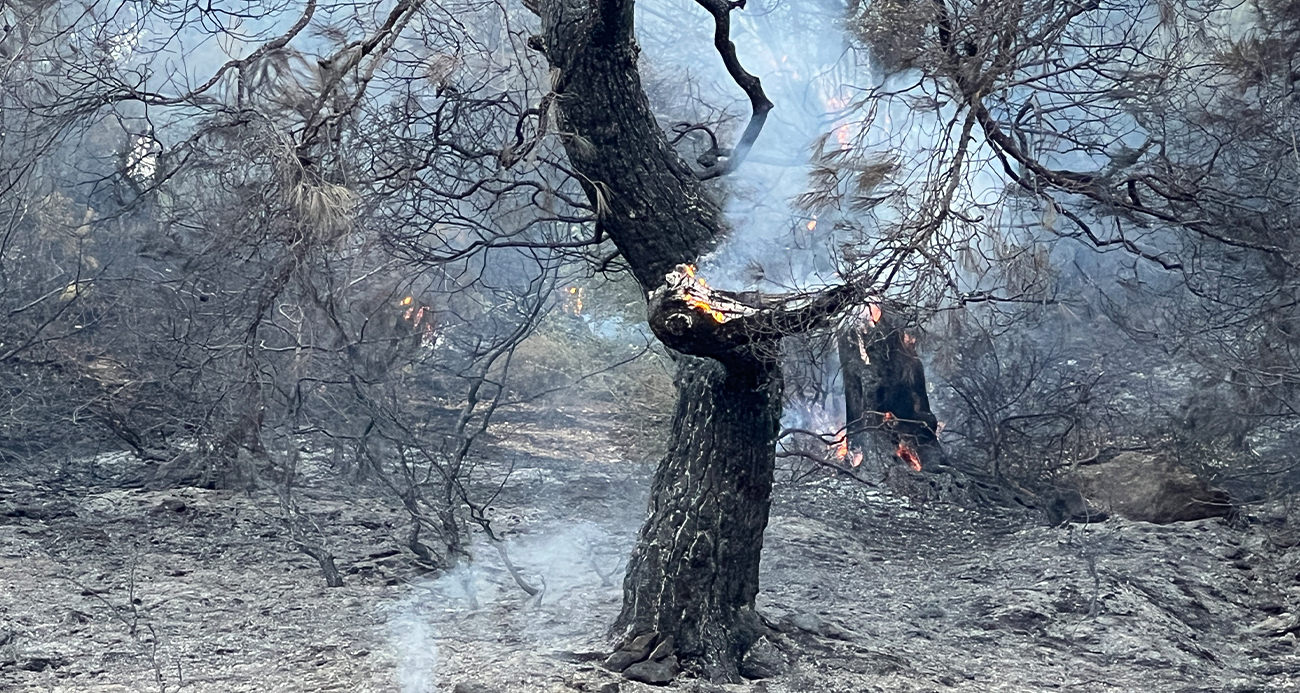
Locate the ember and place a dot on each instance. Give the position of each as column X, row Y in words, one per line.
column 908, row 455
column 573, row 302
column 843, row 453
column 695, row 295
column 874, row 314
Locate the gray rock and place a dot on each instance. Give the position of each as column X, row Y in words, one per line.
column 640, row 645
column 659, row 672
column 634, row 651
column 663, row 649
column 620, row 660
column 763, row 661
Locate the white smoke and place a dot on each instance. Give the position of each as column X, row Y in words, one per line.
column 577, row 567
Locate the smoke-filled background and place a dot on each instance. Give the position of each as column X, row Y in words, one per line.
column 335, row 259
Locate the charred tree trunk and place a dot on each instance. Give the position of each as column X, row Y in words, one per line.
column 885, row 400
column 692, row 580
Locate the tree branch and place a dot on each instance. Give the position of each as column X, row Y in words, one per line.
column 752, row 86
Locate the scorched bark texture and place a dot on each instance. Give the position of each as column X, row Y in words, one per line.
column 691, row 583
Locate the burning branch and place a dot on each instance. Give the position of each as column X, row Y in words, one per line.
column 694, row 318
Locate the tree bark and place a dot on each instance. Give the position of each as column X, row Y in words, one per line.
column 691, row 582
column 693, row 576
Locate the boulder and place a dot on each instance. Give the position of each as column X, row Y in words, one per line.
column 1151, row 488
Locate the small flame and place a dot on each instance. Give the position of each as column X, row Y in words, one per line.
column 698, row 303
column 573, row 304
column 843, row 453
column 874, row 313
column 422, row 317
column 843, row 136
column 812, row 224
column 908, row 455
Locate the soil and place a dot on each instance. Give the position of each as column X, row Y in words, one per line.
column 105, row 588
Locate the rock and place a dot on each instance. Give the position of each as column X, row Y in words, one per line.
column 1151, row 488
column 41, row 663
column 762, row 661
column 663, row 649
column 660, row 672
column 640, row 645
column 171, row 505
column 1276, row 626
column 634, row 651
column 620, row 660
column 1068, row 505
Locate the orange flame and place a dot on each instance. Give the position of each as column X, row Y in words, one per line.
column 874, row 313
column 573, row 304
column 908, row 455
column 843, row 453
column 812, row 224
column 698, row 303
column 422, row 317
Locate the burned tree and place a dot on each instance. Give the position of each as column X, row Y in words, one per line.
column 692, row 580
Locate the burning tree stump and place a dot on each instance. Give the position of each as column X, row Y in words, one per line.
column 885, row 398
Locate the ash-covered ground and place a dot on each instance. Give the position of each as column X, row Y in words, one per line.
column 105, row 588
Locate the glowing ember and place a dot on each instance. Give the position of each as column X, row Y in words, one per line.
column 843, row 453
column 573, row 303
column 812, row 224
column 407, row 301
column 696, row 300
column 908, row 455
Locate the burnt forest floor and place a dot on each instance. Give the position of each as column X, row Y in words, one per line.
column 104, row 588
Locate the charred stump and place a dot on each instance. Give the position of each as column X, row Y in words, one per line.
column 885, row 400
